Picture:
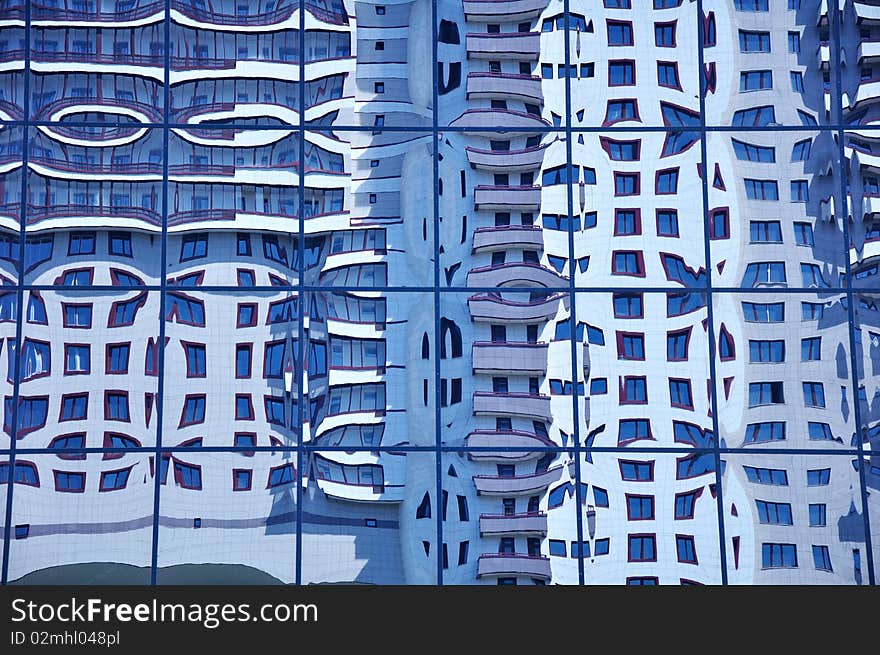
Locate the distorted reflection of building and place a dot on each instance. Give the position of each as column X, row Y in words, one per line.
column 231, row 258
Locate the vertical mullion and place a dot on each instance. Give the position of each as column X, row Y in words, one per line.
column 575, row 375
column 438, row 461
column 840, row 134
column 713, row 390
column 160, row 389
column 301, row 300
column 19, row 316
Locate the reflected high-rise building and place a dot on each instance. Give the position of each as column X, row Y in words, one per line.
column 529, row 292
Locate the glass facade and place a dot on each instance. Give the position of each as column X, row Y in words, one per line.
column 450, row 292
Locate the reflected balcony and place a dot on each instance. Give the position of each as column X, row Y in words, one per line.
column 208, row 18
column 91, row 215
column 489, row 309
column 869, row 51
column 510, row 358
column 502, row 11
column 506, row 439
column 503, row 237
column 868, row 92
column 504, row 86
column 870, row 207
column 375, row 493
column 519, row 46
column 98, row 58
column 507, row 198
column 867, row 11
column 518, row 274
column 141, row 11
column 530, row 524
column 506, row 160
column 524, row 405
column 494, row 485
column 503, row 564
column 515, row 123
column 868, row 254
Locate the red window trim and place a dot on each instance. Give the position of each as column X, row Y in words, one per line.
column 250, row 485
column 251, row 416
column 194, row 396
column 79, row 394
column 55, row 473
column 613, row 62
column 107, row 395
column 640, row 262
column 666, row 171
column 250, row 348
column 687, row 344
column 185, row 345
column 76, row 345
column 667, row 23
column 641, row 535
column 620, row 335
column 629, row 516
column 64, row 322
column 254, row 307
column 109, row 346
column 687, row 381
column 637, row 187
column 638, row 221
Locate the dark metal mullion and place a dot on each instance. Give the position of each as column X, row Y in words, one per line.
column 301, row 299
column 850, row 293
column 586, row 129
column 713, row 376
column 447, row 449
column 20, row 309
column 829, row 291
column 160, row 387
column 438, row 441
column 572, row 317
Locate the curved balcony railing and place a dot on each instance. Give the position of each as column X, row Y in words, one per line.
column 326, row 15
column 504, row 45
column 218, row 170
column 210, row 17
column 504, row 564
column 197, row 215
column 152, row 112
column 495, row 485
column 109, row 58
column 14, row 111
column 78, row 15
column 488, row 308
column 487, row 196
column 515, row 274
column 504, row 86
column 488, row 11
column 531, row 524
column 866, row 12
column 503, row 237
column 97, row 168
column 262, row 19
column 526, row 405
column 11, row 210
column 12, row 55
column 509, row 357
column 474, row 119
column 37, row 213
column 504, row 440
column 506, row 160
column 95, row 133
column 869, row 50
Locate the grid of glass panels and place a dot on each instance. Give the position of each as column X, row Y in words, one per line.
column 334, row 388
